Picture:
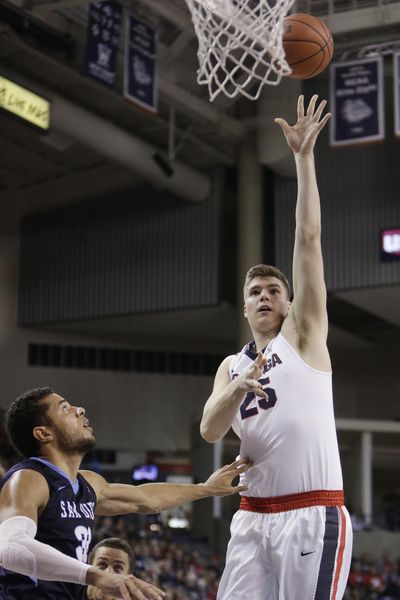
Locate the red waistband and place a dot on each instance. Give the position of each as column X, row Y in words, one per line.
column 292, row 501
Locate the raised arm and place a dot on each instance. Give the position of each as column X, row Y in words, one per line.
column 309, row 305
column 118, row 498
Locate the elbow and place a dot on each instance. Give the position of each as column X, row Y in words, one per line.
column 152, row 508
column 208, row 435
column 309, row 234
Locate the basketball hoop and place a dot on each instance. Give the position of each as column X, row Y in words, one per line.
column 240, row 45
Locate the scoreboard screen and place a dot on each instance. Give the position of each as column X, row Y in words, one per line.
column 390, row 244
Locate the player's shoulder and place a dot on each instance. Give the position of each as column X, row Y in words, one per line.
column 25, row 485
column 94, row 479
column 228, row 359
column 224, row 367
column 27, row 474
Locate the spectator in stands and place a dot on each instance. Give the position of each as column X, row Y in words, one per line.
column 358, row 522
column 375, row 583
column 113, row 555
column 392, row 590
column 356, row 581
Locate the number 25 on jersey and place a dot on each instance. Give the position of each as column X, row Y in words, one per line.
column 261, row 403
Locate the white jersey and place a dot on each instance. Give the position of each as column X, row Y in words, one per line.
column 291, row 437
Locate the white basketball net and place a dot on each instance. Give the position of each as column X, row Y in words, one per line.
column 240, row 44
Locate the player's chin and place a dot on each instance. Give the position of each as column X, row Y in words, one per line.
column 88, row 443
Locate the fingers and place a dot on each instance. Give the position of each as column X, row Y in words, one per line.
column 257, row 388
column 300, row 107
column 240, row 462
column 283, row 124
column 259, row 392
column 151, row 591
column 324, row 121
column 243, row 468
column 311, row 106
column 240, row 488
column 133, row 592
column 319, row 110
column 260, row 360
column 316, row 114
column 253, row 385
column 312, row 113
column 257, row 365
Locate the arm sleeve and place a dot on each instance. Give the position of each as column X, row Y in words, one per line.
column 20, row 552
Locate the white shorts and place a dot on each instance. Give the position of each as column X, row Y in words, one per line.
column 301, row 554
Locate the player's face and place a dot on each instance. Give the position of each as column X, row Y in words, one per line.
column 69, row 425
column 111, row 560
column 266, row 304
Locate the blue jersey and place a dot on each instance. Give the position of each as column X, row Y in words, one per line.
column 65, row 524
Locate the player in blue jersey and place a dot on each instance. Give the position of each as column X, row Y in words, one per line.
column 47, row 505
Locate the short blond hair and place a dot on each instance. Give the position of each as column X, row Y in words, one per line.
column 265, row 271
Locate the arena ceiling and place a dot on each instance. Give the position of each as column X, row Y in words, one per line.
column 42, row 42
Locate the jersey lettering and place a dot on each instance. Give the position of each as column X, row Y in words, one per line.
column 263, row 403
column 84, row 536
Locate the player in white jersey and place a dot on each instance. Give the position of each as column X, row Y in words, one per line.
column 291, row 538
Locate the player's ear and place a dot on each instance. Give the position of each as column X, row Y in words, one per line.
column 245, row 311
column 42, row 434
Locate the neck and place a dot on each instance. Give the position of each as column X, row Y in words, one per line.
column 263, row 339
column 69, row 463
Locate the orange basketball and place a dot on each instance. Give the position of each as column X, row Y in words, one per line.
column 308, row 45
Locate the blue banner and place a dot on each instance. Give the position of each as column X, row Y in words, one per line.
column 396, row 83
column 104, row 27
column 357, row 102
column 140, row 81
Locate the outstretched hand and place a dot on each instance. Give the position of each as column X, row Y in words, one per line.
column 220, row 482
column 127, row 587
column 301, row 137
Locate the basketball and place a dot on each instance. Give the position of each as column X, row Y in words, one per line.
column 308, row 45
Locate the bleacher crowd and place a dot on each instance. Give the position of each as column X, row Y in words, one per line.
column 187, row 569
column 184, row 567
column 373, row 580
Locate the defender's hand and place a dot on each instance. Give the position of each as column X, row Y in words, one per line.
column 220, row 482
column 301, row 137
column 247, row 381
column 127, row 587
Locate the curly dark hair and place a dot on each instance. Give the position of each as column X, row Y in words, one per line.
column 25, row 413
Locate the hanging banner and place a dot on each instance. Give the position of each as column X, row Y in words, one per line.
column 104, row 27
column 396, row 83
column 140, row 80
column 357, row 102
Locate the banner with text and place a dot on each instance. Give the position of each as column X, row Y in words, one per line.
column 104, row 27
column 140, row 81
column 396, row 84
column 356, row 98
